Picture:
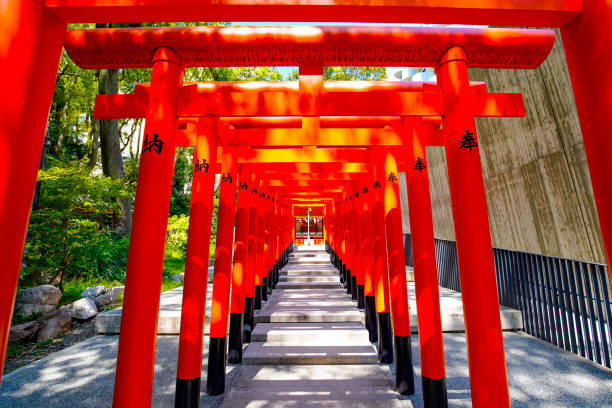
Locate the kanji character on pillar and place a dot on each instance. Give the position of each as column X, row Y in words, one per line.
column 226, row 178
column 468, row 141
column 419, row 164
column 149, row 145
column 201, row 167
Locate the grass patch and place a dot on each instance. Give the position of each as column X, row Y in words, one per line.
column 174, row 262
column 169, row 284
column 73, row 289
column 13, row 350
column 42, row 344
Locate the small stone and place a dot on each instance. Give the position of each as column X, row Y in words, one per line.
column 83, row 309
column 39, row 295
column 55, row 323
column 103, row 301
column 23, row 333
column 179, row 277
column 93, row 292
column 116, row 292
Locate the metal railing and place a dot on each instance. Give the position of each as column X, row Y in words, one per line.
column 563, row 301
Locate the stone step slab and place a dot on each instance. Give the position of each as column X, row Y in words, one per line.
column 308, row 262
column 310, row 272
column 302, row 315
column 360, row 386
column 307, row 255
column 308, row 278
column 309, row 285
column 263, row 353
column 311, row 333
column 305, row 303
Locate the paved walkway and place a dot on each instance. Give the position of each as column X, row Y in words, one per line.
column 279, row 373
column 310, row 347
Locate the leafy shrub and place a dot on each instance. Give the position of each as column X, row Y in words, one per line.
column 176, row 235
column 70, row 235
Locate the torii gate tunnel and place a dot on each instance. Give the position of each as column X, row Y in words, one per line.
column 282, row 147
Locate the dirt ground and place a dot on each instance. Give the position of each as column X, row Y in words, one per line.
column 31, row 352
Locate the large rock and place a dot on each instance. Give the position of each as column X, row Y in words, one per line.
column 103, row 301
column 179, row 277
column 27, row 309
column 40, row 295
column 42, row 298
column 83, row 309
column 93, row 292
column 23, row 333
column 55, row 324
column 116, row 292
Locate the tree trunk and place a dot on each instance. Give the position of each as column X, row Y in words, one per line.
column 110, row 147
column 43, row 162
column 95, row 142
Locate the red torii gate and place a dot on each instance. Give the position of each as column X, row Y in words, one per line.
column 456, row 86
column 290, row 156
column 32, row 33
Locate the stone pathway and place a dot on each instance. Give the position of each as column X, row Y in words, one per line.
column 279, row 373
column 310, row 347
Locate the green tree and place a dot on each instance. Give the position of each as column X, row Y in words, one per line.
column 348, row 74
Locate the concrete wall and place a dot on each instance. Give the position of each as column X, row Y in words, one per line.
column 536, row 177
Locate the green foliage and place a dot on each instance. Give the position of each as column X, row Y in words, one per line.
column 169, row 284
column 14, row 350
column 20, row 320
column 174, row 262
column 181, row 182
column 176, row 235
column 69, row 236
column 73, row 289
column 354, row 73
column 348, row 74
column 43, row 344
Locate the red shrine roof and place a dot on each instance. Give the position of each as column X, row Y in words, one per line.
column 290, row 45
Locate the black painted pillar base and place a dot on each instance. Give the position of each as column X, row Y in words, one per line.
column 234, row 354
column 371, row 321
column 353, row 287
column 264, row 288
column 360, row 300
column 385, row 338
column 276, row 275
column 434, row 392
column 342, row 271
column 404, row 373
column 257, row 304
column 348, row 281
column 215, row 379
column 247, row 327
column 187, row 393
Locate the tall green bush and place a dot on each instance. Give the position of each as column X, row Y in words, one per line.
column 71, row 234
